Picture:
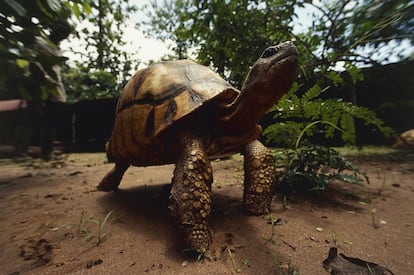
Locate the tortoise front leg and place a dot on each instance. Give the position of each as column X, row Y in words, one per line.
column 259, row 174
column 112, row 179
column 190, row 199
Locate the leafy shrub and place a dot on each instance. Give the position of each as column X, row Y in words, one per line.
column 293, row 113
column 83, row 83
column 311, row 166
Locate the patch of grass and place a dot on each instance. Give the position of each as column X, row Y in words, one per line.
column 246, row 262
column 233, row 261
column 199, row 254
column 83, row 227
column 43, row 228
column 283, row 269
column 335, row 238
column 272, row 225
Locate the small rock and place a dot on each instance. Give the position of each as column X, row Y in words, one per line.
column 75, row 173
column 313, row 239
column 26, row 175
column 277, row 221
column 91, row 263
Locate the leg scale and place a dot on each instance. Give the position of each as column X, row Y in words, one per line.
column 259, row 174
column 190, row 199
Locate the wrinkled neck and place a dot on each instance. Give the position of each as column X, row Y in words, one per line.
column 249, row 107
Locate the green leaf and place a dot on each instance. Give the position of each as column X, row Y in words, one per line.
column 43, row 8
column 22, row 63
column 76, row 10
column 44, row 93
column 335, row 77
column 54, row 5
column 312, row 93
column 349, row 178
column 347, row 123
column 19, row 9
column 311, row 125
column 313, row 167
column 354, row 72
column 86, row 8
column 102, row 224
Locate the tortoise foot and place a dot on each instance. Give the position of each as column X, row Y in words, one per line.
column 256, row 204
column 258, row 178
column 107, row 185
column 200, row 238
column 192, row 228
column 111, row 181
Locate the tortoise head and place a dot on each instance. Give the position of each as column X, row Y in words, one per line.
column 269, row 79
column 273, row 73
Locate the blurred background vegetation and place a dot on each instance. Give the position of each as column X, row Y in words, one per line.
column 336, row 40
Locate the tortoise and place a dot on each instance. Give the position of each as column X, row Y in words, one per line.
column 405, row 140
column 183, row 113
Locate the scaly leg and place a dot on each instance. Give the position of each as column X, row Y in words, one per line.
column 112, row 179
column 259, row 174
column 190, row 199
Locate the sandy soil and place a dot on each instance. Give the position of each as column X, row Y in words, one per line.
column 53, row 222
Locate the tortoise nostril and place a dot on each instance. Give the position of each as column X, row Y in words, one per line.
column 269, row 52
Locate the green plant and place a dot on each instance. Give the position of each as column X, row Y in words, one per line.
column 100, row 237
column 312, row 167
column 23, row 22
column 295, row 113
column 43, row 228
column 283, row 269
column 233, row 261
column 272, row 224
column 104, row 65
column 335, row 238
column 246, row 262
column 83, row 227
column 229, row 35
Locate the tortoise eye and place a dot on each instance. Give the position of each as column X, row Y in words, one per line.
column 269, row 52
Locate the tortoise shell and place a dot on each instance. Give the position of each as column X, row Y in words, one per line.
column 405, row 140
column 157, row 103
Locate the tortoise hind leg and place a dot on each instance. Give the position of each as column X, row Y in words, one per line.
column 112, row 179
column 190, row 199
column 259, row 174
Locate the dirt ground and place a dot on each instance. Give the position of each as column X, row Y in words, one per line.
column 53, row 222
